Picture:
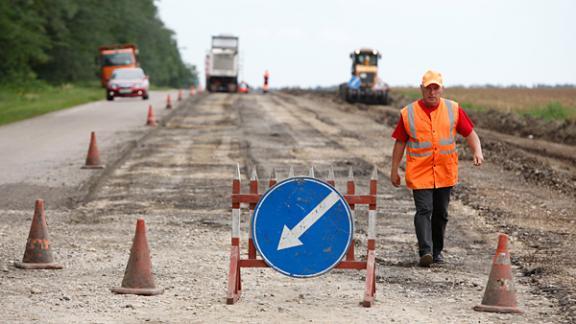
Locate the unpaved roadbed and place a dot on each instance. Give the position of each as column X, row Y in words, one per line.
column 179, row 181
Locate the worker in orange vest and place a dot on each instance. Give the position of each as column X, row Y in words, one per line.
column 266, row 76
column 427, row 132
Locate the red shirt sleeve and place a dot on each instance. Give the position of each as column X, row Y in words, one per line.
column 464, row 126
column 400, row 133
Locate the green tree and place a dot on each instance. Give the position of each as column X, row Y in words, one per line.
column 23, row 41
column 58, row 40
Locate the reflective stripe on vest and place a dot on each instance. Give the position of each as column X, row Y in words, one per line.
column 419, row 154
column 412, row 143
column 450, row 140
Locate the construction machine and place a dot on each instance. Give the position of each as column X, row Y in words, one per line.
column 222, row 64
column 365, row 85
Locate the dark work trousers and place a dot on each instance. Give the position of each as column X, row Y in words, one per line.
column 431, row 218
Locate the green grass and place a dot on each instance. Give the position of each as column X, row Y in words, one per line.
column 411, row 94
column 154, row 87
column 37, row 98
column 553, row 111
column 471, row 106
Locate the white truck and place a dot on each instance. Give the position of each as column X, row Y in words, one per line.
column 222, row 64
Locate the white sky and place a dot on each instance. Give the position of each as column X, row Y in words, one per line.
column 307, row 42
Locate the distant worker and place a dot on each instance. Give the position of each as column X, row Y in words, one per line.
column 427, row 131
column 266, row 77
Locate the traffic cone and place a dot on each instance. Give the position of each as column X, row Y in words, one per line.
column 151, row 120
column 93, row 157
column 180, row 95
column 138, row 278
column 38, row 254
column 168, row 102
column 500, row 295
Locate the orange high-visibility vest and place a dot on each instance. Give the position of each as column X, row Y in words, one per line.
column 431, row 157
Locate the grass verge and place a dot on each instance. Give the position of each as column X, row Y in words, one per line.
column 553, row 111
column 542, row 103
column 37, row 98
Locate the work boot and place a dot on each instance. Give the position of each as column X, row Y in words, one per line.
column 425, row 260
column 438, row 258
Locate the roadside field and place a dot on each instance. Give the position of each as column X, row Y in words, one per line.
column 20, row 104
column 547, row 103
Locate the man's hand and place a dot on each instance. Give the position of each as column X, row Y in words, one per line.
column 476, row 147
column 397, row 154
column 478, row 158
column 395, row 178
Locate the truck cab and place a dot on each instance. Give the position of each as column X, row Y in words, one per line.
column 112, row 57
column 365, row 85
column 365, row 66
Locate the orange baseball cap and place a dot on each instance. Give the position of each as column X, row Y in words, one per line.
column 431, row 77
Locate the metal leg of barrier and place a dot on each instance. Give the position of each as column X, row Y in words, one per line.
column 370, row 291
column 234, row 279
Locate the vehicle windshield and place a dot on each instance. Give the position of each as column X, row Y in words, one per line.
column 366, row 59
column 117, row 59
column 127, row 74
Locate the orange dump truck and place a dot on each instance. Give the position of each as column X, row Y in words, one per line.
column 113, row 57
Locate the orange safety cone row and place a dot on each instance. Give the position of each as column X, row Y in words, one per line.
column 168, row 102
column 151, row 120
column 38, row 254
column 179, row 94
column 500, row 295
column 93, row 157
column 138, row 279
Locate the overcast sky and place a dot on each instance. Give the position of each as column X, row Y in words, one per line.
column 307, row 42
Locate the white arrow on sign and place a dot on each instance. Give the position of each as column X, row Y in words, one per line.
column 291, row 237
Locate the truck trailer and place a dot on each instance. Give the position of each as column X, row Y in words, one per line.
column 222, row 64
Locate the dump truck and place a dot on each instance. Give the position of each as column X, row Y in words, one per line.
column 365, row 85
column 112, row 57
column 222, row 64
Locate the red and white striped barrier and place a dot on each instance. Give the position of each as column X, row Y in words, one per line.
column 349, row 262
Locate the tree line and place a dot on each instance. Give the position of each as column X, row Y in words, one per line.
column 57, row 40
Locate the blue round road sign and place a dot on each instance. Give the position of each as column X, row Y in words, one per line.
column 302, row 227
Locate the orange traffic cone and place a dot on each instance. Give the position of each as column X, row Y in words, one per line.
column 151, row 120
column 168, row 102
column 38, row 254
column 138, row 278
column 180, row 95
column 500, row 295
column 93, row 157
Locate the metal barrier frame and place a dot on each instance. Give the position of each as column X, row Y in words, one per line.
column 349, row 262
